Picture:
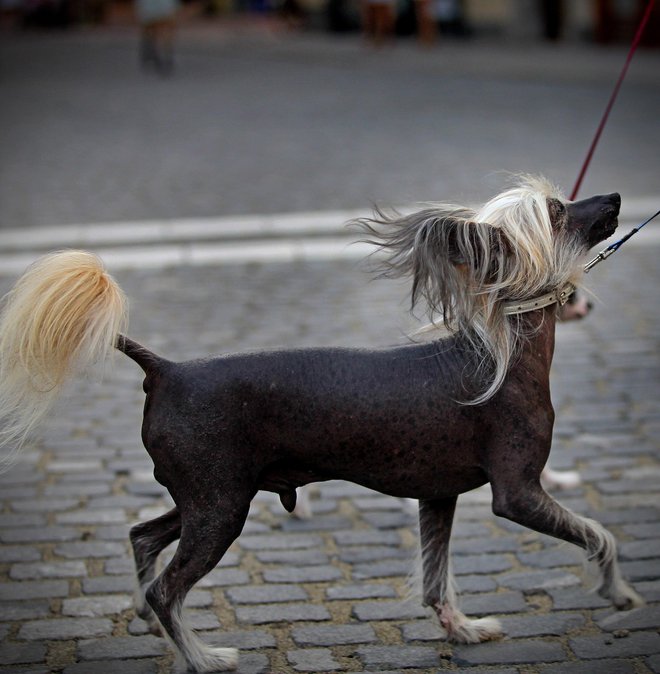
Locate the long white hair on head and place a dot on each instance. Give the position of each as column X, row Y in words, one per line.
column 466, row 263
column 62, row 315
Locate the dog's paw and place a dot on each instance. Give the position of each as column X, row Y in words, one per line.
column 475, row 631
column 625, row 598
column 463, row 630
column 210, row 659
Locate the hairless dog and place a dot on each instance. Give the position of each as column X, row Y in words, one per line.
column 427, row 421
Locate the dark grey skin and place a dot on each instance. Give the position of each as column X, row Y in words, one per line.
column 219, row 430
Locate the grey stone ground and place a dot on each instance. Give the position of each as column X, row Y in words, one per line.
column 326, row 595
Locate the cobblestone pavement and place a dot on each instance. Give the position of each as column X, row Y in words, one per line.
column 329, row 594
column 266, row 122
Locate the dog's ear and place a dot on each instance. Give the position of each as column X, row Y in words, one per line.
column 556, row 211
column 442, row 248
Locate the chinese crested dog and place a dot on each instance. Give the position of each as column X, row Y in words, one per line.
column 427, row 421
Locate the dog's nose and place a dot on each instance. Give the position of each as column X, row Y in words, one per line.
column 615, row 200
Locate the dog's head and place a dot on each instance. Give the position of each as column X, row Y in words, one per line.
column 524, row 242
column 466, row 264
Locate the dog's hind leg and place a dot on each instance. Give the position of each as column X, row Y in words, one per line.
column 532, row 507
column 209, row 526
column 439, row 591
column 148, row 540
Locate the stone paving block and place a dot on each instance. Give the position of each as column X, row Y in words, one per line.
column 389, row 610
column 221, row 577
column 242, row 639
column 18, row 553
column 474, row 584
column 317, row 523
column 21, row 519
column 423, row 630
column 646, row 569
column 198, row 599
column 484, row 544
column 654, row 663
column 534, row 581
column 645, row 530
column 360, row 591
column 48, row 534
column 367, row 537
column 269, row 613
column 15, row 654
column 34, row 589
column 555, row 624
column 388, row 519
column 298, row 557
column 86, row 549
column 81, row 466
column 398, row 656
column 120, row 648
column 501, row 602
column 646, row 617
column 313, row 660
column 376, row 501
column 38, row 570
column 606, row 646
column 24, row 610
column 547, row 559
column 109, row 584
column 93, row 607
column 265, row 594
column 373, row 553
column 281, row 542
column 118, row 667
column 648, row 548
column 305, row 574
column 119, row 566
column 604, row 667
column 518, row 651
column 65, row 628
column 634, row 515
column 45, row 505
column 92, row 489
column 92, row 516
column 385, row 569
column 253, row 663
column 468, row 564
column 331, row 635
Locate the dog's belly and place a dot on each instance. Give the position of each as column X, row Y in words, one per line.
column 401, row 472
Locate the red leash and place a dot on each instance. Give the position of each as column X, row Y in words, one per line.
column 603, row 121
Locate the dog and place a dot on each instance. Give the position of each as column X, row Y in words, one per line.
column 427, row 421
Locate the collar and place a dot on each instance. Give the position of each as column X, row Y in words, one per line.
column 559, row 296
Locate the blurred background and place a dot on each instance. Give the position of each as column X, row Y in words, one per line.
column 112, row 112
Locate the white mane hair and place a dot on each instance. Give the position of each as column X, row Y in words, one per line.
column 466, row 263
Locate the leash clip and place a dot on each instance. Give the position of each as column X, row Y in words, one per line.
column 603, row 255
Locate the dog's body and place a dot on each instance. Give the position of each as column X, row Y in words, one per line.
column 426, row 421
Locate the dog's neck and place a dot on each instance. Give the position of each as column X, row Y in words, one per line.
column 539, row 345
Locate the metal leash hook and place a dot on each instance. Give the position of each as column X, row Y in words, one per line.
column 613, row 247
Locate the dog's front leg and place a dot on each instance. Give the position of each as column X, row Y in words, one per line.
column 435, row 522
column 528, row 504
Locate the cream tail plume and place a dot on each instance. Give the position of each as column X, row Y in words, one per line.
column 63, row 315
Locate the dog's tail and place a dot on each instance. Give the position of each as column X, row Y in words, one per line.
column 64, row 314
